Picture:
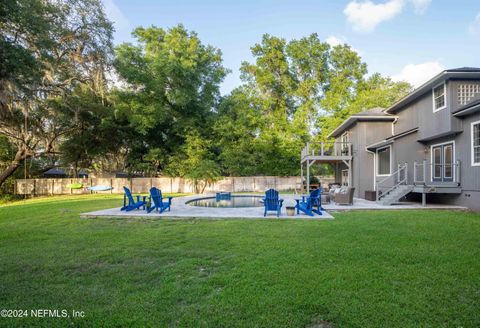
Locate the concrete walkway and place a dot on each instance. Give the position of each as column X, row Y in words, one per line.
column 182, row 210
column 362, row 204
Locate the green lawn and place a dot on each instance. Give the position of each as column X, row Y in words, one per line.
column 364, row 269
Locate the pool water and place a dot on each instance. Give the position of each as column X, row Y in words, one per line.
column 232, row 202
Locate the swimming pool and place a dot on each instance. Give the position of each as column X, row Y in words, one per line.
column 231, row 202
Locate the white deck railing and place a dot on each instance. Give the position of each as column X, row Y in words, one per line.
column 337, row 149
column 423, row 173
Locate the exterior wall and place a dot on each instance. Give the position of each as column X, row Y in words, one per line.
column 432, row 123
column 458, row 123
column 408, row 150
column 361, row 135
column 469, row 175
column 408, row 117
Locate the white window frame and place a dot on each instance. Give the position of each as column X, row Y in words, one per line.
column 444, row 96
column 376, row 162
column 454, row 160
column 471, row 143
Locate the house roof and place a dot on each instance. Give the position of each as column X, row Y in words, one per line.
column 55, row 171
column 454, row 73
column 373, row 114
column 470, row 108
column 390, row 140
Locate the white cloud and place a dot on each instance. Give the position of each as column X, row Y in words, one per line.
column 335, row 41
column 475, row 25
column 420, row 6
column 417, row 74
column 365, row 16
column 121, row 22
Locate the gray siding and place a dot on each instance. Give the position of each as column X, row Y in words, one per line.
column 407, row 150
column 457, row 123
column 407, row 118
column 430, row 123
column 361, row 135
column 469, row 175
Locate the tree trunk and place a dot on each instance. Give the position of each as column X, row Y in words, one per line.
column 14, row 165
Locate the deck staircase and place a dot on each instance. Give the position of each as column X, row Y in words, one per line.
column 395, row 195
column 393, row 188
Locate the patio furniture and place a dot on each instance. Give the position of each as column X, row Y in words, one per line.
column 156, row 201
column 130, row 204
column 271, row 202
column 223, row 195
column 325, row 197
column 371, row 195
column 308, row 203
column 290, row 210
column 344, row 196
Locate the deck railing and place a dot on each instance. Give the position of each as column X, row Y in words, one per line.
column 327, row 149
column 423, row 172
column 397, row 178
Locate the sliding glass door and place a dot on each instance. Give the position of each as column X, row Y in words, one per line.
column 442, row 163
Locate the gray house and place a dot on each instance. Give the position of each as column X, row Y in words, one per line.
column 425, row 147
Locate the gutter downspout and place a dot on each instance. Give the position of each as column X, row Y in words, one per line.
column 393, row 125
column 374, row 169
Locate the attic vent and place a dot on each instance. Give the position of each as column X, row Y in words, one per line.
column 466, row 92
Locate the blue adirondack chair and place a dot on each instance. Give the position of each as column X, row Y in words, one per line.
column 156, row 201
column 271, row 202
column 308, row 203
column 130, row 204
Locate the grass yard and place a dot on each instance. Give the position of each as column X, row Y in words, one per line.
column 364, row 269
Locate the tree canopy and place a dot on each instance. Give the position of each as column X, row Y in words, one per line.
column 153, row 107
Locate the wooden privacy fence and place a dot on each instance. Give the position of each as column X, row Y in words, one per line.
column 166, row 184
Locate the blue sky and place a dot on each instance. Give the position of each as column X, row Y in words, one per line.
column 407, row 39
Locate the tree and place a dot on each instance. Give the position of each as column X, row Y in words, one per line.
column 375, row 91
column 294, row 90
column 60, row 45
column 172, row 86
column 236, row 129
column 196, row 162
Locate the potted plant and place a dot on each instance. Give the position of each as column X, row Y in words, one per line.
column 290, row 210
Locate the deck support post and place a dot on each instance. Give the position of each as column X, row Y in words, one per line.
column 308, row 176
column 301, row 177
column 350, row 173
column 424, row 199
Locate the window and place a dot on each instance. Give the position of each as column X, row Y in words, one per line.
column 383, row 161
column 466, row 92
column 439, row 101
column 476, row 143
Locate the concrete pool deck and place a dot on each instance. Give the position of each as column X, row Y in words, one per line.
column 180, row 209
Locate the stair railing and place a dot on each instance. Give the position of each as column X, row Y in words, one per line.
column 390, row 183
